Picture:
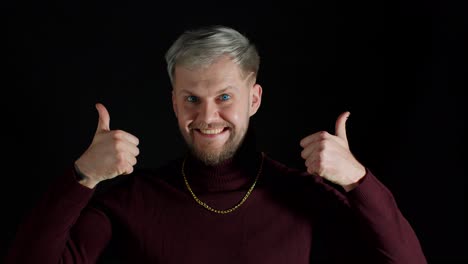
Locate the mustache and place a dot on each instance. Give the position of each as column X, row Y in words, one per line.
column 204, row 125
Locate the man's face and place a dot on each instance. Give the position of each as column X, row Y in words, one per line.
column 213, row 106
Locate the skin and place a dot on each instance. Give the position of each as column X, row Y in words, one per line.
column 213, row 106
column 111, row 153
column 328, row 156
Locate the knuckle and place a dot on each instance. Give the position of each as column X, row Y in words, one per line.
column 323, row 134
column 321, row 161
column 118, row 134
column 121, row 162
column 120, row 157
column 320, row 168
column 117, row 144
column 122, row 168
column 321, row 164
column 321, row 157
column 321, row 171
column 303, row 154
column 322, row 145
column 137, row 152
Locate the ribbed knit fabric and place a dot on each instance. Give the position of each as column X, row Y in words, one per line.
column 150, row 217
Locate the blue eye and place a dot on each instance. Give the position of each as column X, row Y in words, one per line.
column 225, row 97
column 192, row 99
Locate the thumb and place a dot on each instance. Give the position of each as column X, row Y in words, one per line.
column 104, row 118
column 340, row 126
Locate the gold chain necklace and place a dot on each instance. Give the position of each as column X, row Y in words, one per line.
column 200, row 202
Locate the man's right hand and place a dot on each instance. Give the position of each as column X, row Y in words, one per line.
column 111, row 153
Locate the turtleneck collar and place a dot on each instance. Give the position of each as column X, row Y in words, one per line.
column 235, row 173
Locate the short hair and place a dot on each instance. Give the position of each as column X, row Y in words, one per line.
column 200, row 47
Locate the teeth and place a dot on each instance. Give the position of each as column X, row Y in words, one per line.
column 211, row 131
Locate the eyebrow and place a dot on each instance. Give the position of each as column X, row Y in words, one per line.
column 229, row 87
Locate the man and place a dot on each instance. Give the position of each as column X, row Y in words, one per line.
column 224, row 202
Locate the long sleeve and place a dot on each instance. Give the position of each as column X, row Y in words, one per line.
column 61, row 228
column 383, row 226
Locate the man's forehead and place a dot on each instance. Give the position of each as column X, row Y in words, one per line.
column 190, row 80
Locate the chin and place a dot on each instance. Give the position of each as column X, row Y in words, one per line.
column 214, row 157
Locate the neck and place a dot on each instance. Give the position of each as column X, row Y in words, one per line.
column 231, row 174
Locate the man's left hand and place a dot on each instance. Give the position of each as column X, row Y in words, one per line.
column 329, row 156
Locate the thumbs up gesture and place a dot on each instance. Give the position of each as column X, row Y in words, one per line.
column 328, row 156
column 111, row 153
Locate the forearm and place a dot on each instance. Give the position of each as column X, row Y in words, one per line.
column 44, row 236
column 383, row 224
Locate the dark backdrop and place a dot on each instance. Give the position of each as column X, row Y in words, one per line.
column 398, row 66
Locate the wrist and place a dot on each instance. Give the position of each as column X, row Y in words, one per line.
column 83, row 179
column 88, row 183
column 356, row 180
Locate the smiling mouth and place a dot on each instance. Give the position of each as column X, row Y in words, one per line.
column 212, row 131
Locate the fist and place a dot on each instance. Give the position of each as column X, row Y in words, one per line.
column 328, row 156
column 111, row 153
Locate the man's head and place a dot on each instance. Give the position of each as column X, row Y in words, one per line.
column 213, row 73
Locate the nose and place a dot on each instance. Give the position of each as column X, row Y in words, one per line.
column 208, row 112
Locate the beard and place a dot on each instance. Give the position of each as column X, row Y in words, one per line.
column 213, row 156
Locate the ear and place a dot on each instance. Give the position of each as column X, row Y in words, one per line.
column 255, row 99
column 174, row 103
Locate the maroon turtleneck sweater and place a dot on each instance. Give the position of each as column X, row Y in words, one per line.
column 150, row 217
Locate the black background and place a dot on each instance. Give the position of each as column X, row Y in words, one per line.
column 398, row 66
